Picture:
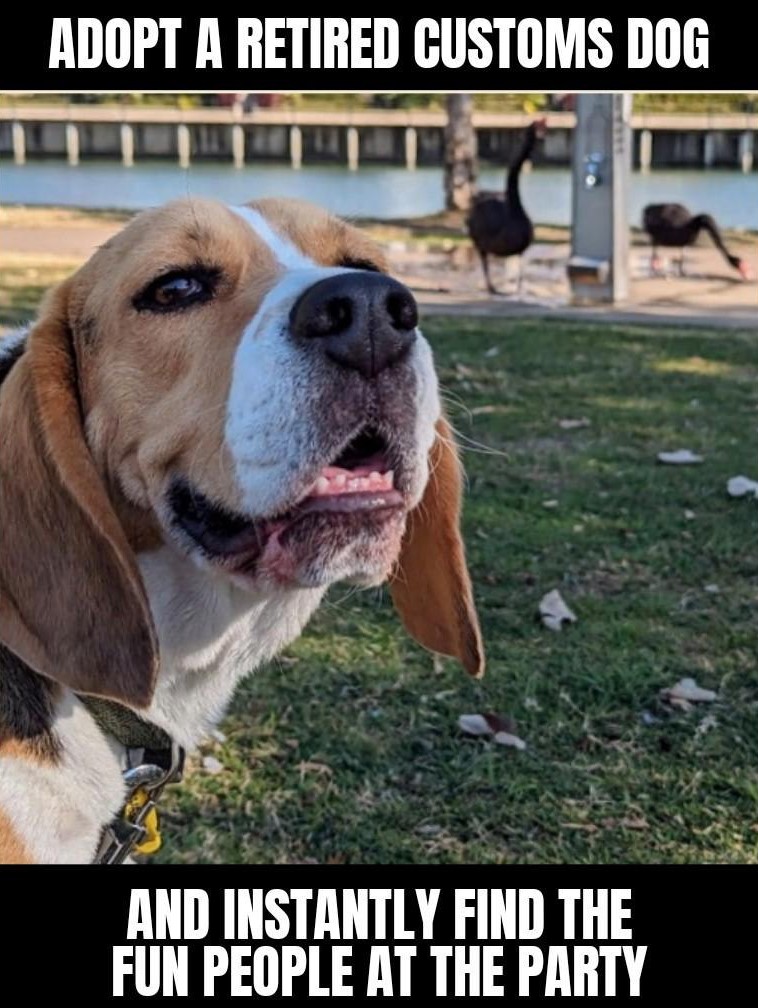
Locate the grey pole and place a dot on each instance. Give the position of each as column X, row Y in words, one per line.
column 599, row 265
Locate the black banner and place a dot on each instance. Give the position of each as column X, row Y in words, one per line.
column 659, row 53
column 302, row 932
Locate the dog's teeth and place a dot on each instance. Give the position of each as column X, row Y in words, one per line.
column 340, row 482
column 375, row 476
column 322, row 486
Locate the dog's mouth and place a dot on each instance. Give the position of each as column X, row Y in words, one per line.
column 356, row 493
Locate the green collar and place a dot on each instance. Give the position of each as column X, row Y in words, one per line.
column 128, row 728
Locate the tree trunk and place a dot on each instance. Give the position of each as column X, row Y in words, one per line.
column 460, row 153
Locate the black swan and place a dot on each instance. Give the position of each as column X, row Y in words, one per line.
column 499, row 225
column 673, row 226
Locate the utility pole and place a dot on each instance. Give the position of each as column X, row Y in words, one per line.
column 599, row 265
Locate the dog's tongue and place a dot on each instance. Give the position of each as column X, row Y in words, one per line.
column 745, row 272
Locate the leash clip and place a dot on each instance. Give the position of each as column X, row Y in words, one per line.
column 137, row 829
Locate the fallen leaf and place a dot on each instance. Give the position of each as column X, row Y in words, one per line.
column 679, row 704
column 741, row 486
column 680, row 458
column 474, row 724
column 501, row 730
column 555, row 613
column 510, row 741
column 687, row 691
column 500, row 724
column 492, row 352
column 712, row 589
column 551, row 505
column 690, row 515
column 569, row 425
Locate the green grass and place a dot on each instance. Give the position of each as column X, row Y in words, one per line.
column 24, row 279
column 347, row 748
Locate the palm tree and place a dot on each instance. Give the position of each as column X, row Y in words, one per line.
column 460, row 152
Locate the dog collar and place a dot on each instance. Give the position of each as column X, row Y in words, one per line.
column 153, row 761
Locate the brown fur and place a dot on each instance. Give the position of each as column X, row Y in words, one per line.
column 12, row 850
column 431, row 587
column 72, row 604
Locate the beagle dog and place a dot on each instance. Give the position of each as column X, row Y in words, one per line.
column 225, row 411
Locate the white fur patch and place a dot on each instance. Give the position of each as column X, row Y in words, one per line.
column 59, row 811
column 284, row 251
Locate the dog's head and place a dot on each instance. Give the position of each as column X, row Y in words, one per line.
column 248, row 386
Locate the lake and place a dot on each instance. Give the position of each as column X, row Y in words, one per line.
column 382, row 192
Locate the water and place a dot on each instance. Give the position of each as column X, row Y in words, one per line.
column 382, row 192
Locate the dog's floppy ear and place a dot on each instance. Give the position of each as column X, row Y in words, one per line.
column 72, row 602
column 431, row 587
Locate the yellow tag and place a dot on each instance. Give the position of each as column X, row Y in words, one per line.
column 153, row 841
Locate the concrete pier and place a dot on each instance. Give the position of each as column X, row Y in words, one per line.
column 19, row 143
column 238, row 146
column 296, row 147
column 411, row 148
column 353, row 148
column 359, row 136
column 747, row 151
column 646, row 151
column 127, row 145
column 709, row 150
column 72, row 143
column 184, row 144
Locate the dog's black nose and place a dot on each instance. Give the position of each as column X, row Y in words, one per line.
column 363, row 321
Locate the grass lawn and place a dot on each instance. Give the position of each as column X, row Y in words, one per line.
column 347, row 748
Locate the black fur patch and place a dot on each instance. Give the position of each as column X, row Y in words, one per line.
column 8, row 358
column 26, row 707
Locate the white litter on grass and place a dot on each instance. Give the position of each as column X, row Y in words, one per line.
column 475, row 724
column 212, row 766
column 510, row 741
column 741, row 486
column 687, row 691
column 555, row 613
column 680, row 458
column 478, row 726
column 570, row 425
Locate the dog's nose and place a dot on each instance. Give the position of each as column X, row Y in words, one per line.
column 363, row 321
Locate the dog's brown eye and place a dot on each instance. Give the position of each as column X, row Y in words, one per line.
column 177, row 290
